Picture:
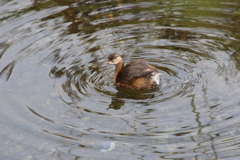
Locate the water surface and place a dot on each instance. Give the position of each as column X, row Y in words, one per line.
column 58, row 99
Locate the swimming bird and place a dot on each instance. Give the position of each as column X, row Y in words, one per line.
column 137, row 74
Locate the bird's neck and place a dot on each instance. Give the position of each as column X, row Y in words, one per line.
column 119, row 67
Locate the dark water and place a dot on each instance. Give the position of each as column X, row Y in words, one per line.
column 58, row 100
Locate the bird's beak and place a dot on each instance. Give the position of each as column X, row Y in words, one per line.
column 107, row 62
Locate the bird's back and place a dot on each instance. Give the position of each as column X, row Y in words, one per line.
column 135, row 69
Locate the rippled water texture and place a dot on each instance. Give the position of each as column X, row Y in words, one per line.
column 58, row 99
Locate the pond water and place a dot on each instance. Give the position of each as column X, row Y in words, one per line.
column 58, row 99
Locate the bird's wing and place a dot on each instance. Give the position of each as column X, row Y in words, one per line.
column 133, row 70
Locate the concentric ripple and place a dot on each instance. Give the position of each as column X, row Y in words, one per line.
column 89, row 77
column 193, row 61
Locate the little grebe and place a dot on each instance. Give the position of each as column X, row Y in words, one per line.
column 137, row 74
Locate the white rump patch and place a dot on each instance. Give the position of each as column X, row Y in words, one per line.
column 156, row 77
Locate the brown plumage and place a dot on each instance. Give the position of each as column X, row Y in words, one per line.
column 137, row 74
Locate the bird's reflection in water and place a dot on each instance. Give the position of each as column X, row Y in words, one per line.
column 124, row 94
